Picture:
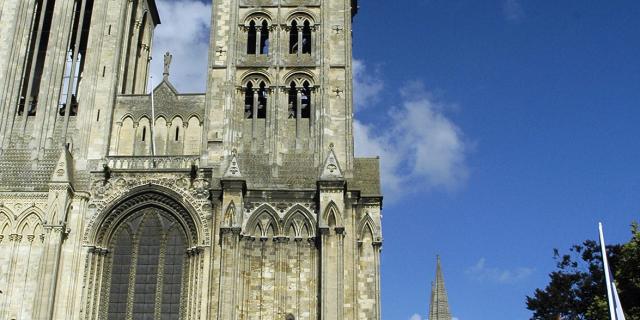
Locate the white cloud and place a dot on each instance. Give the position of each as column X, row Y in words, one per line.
column 416, row 317
column 184, row 32
column 419, row 145
column 481, row 272
column 454, row 318
column 513, row 10
column 368, row 144
column 367, row 85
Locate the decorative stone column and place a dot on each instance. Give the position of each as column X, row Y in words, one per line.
column 229, row 222
column 330, row 225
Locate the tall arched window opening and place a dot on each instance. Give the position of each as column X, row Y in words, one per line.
column 306, row 38
column 264, row 38
column 147, row 266
column 305, row 100
column 35, row 56
column 251, row 38
column 293, row 38
column 255, row 101
column 293, row 101
column 74, row 65
column 299, row 100
column 248, row 101
column 262, row 101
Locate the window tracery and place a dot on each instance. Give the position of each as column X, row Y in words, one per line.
column 256, row 94
column 300, row 30
column 147, row 266
column 258, row 28
column 299, row 98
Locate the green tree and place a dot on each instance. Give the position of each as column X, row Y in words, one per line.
column 577, row 291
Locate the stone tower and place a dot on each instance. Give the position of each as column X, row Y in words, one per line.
column 243, row 202
column 439, row 306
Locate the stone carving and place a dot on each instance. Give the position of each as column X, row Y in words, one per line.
column 105, row 195
column 167, row 64
column 331, row 169
column 233, row 170
column 200, row 187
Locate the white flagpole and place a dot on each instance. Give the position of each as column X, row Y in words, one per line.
column 615, row 309
column 153, row 121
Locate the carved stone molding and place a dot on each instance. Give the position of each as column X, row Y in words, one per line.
column 121, row 193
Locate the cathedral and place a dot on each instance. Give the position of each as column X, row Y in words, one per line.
column 120, row 201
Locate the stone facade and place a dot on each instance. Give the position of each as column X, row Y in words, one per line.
column 243, row 202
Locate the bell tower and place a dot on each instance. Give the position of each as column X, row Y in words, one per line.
column 62, row 63
column 280, row 80
column 299, row 217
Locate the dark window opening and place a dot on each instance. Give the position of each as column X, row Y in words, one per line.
column 74, row 107
column 120, row 271
column 35, row 57
column 177, row 133
column 74, row 65
column 251, row 38
column 154, row 261
column 306, row 38
column 144, row 133
column 293, row 38
column 305, row 100
column 146, row 279
column 262, row 101
column 98, row 116
column 293, row 101
column 248, row 101
column 264, row 38
column 300, row 97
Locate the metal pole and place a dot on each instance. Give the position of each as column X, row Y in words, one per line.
column 607, row 276
column 153, row 121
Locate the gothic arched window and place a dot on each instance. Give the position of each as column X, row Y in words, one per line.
column 299, row 99
column 306, row 37
column 264, row 38
column 255, row 100
column 147, row 266
column 300, row 35
column 251, row 38
column 293, row 38
column 257, row 36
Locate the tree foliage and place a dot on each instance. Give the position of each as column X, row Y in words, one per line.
column 577, row 291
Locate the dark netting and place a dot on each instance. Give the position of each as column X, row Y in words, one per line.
column 147, row 268
column 160, row 238
column 171, row 286
column 120, row 275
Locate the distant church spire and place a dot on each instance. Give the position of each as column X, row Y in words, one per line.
column 439, row 307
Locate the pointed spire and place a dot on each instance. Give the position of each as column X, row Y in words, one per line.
column 439, row 307
column 63, row 172
column 331, row 168
column 233, row 170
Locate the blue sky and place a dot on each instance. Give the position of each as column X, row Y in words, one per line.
column 506, row 128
